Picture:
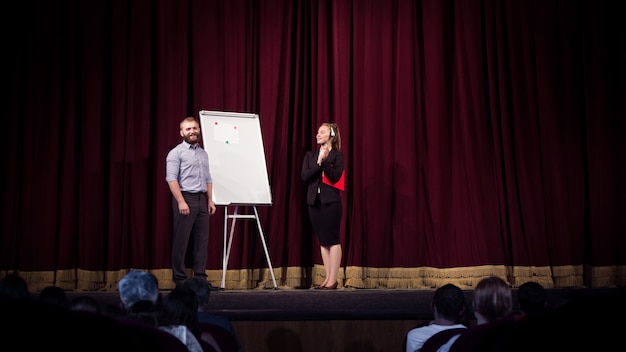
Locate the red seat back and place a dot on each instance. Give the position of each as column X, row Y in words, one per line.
column 226, row 340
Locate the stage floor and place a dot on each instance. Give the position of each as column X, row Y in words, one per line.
column 340, row 304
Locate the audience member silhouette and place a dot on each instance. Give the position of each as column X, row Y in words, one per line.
column 140, row 297
column 448, row 307
column 85, row 303
column 492, row 302
column 141, row 304
column 14, row 287
column 138, row 286
column 532, row 298
column 144, row 311
column 202, row 289
column 586, row 322
column 53, row 295
column 179, row 317
column 53, row 327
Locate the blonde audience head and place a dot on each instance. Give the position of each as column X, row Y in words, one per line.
column 493, row 299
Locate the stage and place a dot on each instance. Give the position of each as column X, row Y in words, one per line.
column 345, row 303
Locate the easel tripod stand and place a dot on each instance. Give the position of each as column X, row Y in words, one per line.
column 234, row 217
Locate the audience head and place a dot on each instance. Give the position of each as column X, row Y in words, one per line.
column 449, row 303
column 138, row 286
column 180, row 307
column 53, row 295
column 201, row 288
column 493, row 299
column 14, row 287
column 85, row 304
column 531, row 297
column 144, row 311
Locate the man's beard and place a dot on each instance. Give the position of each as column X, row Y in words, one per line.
column 192, row 138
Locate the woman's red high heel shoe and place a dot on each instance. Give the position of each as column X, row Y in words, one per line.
column 331, row 287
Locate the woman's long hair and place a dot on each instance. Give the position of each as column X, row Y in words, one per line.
column 335, row 134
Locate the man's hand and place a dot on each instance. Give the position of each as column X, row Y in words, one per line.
column 183, row 208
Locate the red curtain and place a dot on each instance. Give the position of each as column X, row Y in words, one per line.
column 481, row 137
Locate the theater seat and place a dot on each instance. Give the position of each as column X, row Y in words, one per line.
column 153, row 338
column 226, row 341
column 482, row 337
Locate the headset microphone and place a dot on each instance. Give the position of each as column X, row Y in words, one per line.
column 332, row 132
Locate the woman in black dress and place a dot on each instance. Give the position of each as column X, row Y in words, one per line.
column 323, row 171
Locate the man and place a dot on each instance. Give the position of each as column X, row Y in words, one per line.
column 448, row 307
column 532, row 298
column 189, row 178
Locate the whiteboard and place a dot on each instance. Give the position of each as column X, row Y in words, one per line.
column 234, row 143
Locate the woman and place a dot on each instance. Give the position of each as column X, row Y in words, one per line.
column 323, row 171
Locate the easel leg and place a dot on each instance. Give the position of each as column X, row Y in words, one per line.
column 267, row 255
column 224, row 255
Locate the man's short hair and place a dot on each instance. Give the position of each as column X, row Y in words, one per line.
column 138, row 286
column 450, row 302
column 200, row 287
column 532, row 297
